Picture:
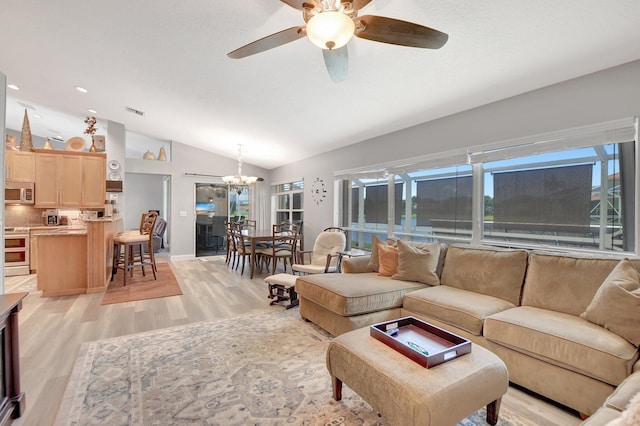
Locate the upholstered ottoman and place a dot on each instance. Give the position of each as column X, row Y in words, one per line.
column 282, row 289
column 406, row 393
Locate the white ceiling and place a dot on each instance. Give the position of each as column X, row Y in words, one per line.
column 168, row 59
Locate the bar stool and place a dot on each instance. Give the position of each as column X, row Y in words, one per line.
column 133, row 254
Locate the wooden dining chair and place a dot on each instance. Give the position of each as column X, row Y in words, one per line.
column 282, row 247
column 241, row 248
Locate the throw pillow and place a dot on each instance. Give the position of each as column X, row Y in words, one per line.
column 616, row 304
column 388, row 260
column 631, row 415
column 418, row 262
column 373, row 260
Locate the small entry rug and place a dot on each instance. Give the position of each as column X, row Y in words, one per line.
column 142, row 287
column 265, row 369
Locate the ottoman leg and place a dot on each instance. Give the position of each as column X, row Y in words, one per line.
column 336, row 384
column 492, row 411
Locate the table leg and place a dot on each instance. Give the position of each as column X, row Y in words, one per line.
column 492, row 411
column 253, row 256
column 336, row 384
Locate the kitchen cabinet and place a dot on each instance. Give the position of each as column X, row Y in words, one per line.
column 71, row 180
column 20, row 166
column 94, row 191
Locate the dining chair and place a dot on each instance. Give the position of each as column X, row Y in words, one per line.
column 241, row 247
column 284, row 240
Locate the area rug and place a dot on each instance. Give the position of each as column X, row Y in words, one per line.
column 141, row 287
column 266, row 369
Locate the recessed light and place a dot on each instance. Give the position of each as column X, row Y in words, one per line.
column 37, row 116
column 92, row 111
column 81, row 89
column 13, row 86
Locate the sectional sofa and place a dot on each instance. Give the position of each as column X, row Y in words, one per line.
column 567, row 327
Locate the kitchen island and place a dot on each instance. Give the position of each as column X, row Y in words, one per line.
column 77, row 261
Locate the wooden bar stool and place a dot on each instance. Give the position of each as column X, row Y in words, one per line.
column 128, row 250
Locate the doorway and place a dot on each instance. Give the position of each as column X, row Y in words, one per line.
column 212, row 210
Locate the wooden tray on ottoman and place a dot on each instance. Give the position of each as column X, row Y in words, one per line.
column 420, row 341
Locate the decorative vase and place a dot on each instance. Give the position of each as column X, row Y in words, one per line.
column 47, row 144
column 25, row 137
column 162, row 155
column 92, row 148
column 149, row 156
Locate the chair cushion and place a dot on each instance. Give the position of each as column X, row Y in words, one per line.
column 354, row 294
column 564, row 340
column 460, row 308
column 327, row 242
column 616, row 305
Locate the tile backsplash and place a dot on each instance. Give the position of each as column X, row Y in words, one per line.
column 23, row 215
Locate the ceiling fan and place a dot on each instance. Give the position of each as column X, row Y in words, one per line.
column 330, row 25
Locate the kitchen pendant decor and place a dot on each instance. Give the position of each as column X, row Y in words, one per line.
column 26, row 143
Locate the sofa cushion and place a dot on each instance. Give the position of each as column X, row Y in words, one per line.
column 387, row 260
column 620, row 398
column 418, row 262
column 564, row 340
column 354, row 294
column 460, row 308
column 616, row 305
column 564, row 283
column 497, row 273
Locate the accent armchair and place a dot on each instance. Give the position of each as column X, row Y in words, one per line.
column 325, row 255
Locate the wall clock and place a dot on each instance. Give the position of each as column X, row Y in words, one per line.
column 318, row 190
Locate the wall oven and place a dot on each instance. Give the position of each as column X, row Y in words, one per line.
column 16, row 252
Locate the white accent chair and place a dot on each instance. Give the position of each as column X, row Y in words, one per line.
column 324, row 257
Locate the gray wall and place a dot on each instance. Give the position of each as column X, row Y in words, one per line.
column 186, row 159
column 607, row 95
column 144, row 193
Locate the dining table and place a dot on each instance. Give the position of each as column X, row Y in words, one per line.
column 257, row 235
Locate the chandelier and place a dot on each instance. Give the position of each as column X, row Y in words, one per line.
column 239, row 181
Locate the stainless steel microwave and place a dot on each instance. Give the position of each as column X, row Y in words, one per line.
column 19, row 193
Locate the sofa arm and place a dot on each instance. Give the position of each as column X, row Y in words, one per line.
column 355, row 265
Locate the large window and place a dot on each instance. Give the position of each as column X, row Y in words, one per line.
column 573, row 189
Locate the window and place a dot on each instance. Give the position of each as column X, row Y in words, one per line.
column 573, row 189
column 288, row 201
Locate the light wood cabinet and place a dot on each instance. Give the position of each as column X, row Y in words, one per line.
column 94, row 191
column 20, row 166
column 72, row 180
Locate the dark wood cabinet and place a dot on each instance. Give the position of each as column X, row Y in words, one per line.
column 12, row 401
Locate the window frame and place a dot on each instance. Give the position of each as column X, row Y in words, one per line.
column 600, row 134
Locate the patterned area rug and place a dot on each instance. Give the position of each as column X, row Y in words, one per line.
column 266, row 369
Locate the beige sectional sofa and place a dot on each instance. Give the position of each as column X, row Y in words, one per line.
column 524, row 306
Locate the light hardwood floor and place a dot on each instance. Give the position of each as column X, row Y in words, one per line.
column 52, row 330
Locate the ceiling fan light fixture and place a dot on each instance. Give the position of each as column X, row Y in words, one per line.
column 330, row 29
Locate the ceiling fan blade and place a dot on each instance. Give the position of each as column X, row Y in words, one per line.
column 296, row 4
column 395, row 31
column 359, row 4
column 269, row 42
column 337, row 62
